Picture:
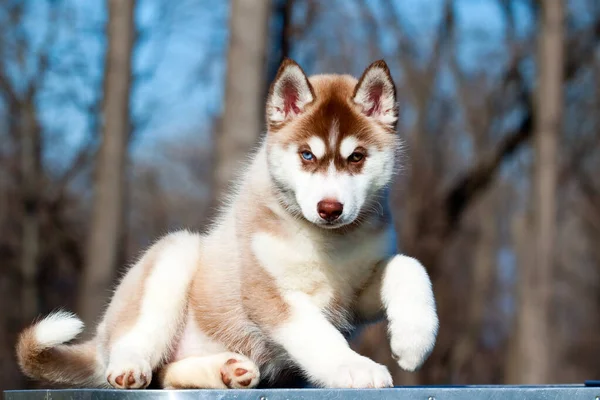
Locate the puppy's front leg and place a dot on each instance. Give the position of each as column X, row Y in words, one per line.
column 323, row 352
column 402, row 288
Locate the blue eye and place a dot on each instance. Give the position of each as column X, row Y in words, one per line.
column 307, row 155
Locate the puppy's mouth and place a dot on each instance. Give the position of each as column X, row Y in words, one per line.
column 338, row 223
column 330, row 225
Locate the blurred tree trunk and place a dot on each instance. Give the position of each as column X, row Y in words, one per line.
column 521, row 241
column 243, row 117
column 106, row 229
column 30, row 144
column 477, row 114
column 280, row 37
column 24, row 132
column 533, row 358
column 481, row 279
column 484, row 257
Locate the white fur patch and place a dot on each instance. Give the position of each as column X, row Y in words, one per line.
column 296, row 266
column 57, row 328
column 334, row 132
column 348, row 146
column 317, row 146
column 302, row 264
column 195, row 343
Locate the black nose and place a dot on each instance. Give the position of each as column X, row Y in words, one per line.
column 330, row 210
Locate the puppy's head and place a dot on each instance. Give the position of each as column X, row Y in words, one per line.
column 331, row 141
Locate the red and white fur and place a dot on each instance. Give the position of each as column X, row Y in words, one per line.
column 302, row 252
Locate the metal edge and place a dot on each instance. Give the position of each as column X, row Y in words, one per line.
column 554, row 392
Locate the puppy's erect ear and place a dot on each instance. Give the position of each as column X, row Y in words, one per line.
column 375, row 93
column 289, row 94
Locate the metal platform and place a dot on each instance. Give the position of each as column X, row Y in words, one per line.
column 566, row 392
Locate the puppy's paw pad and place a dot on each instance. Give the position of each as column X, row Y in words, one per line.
column 130, row 376
column 239, row 372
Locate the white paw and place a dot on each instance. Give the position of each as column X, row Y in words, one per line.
column 413, row 321
column 134, row 374
column 412, row 345
column 359, row 372
column 239, row 372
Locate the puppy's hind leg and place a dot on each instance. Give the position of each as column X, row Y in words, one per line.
column 218, row 371
column 155, row 316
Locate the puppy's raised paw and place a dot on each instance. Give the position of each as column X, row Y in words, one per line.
column 411, row 347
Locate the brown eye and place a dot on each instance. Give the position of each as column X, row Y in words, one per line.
column 356, row 157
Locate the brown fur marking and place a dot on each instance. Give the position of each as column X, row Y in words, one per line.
column 231, row 317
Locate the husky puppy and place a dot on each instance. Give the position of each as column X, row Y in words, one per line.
column 303, row 252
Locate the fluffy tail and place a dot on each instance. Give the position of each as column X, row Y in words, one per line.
column 43, row 354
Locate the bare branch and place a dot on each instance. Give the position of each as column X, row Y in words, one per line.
column 474, row 181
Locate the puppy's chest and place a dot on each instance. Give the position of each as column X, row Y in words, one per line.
column 328, row 272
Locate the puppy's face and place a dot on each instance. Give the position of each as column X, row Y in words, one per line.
column 331, row 142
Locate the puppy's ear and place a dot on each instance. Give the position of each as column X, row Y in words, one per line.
column 289, row 94
column 375, row 93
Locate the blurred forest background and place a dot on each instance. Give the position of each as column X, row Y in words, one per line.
column 121, row 120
